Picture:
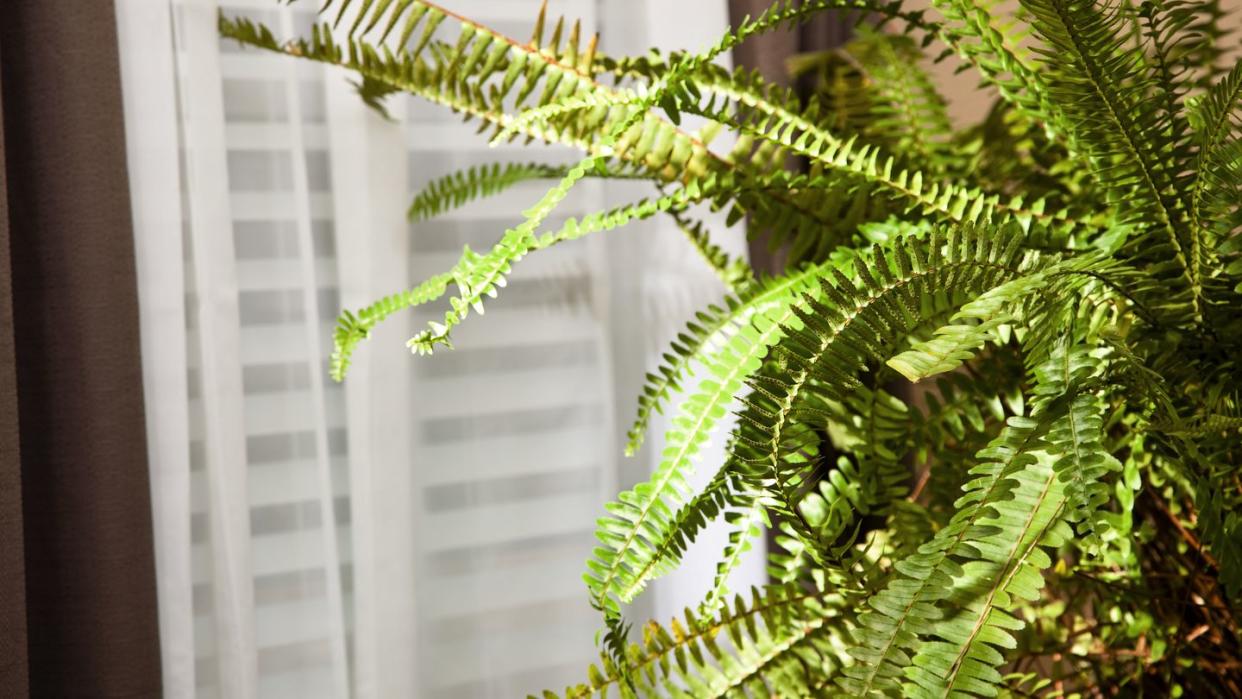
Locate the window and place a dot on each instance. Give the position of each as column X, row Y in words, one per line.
column 400, row 534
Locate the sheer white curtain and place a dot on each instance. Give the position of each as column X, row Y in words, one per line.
column 420, row 530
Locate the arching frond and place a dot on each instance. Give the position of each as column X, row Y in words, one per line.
column 857, row 327
column 960, row 587
column 946, row 202
column 980, row 320
column 642, row 517
column 1103, row 86
column 456, row 189
column 710, row 330
column 780, row 643
column 746, row 526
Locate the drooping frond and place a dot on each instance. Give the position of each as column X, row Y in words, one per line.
column 455, row 189
column 780, row 15
column 939, row 625
column 476, row 276
column 746, row 525
column 866, row 164
column 859, row 325
column 723, row 495
column 979, row 321
column 810, row 216
column 480, row 275
column 1102, row 83
column 974, row 324
column 354, row 327
column 707, row 334
column 486, row 76
column 890, row 632
column 642, row 517
column 1075, row 440
column 1217, row 118
column 782, row 643
column 1005, row 572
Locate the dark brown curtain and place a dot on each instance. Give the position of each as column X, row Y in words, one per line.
column 77, row 575
column 768, row 53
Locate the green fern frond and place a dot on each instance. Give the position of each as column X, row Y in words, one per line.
column 711, row 329
column 807, row 214
column 978, row 321
column 1076, row 440
column 743, row 184
column 746, row 526
column 1104, row 86
column 455, row 189
column 722, row 492
column 489, row 77
column 945, row 202
column 1002, row 565
column 971, row 32
column 641, row 517
column 1217, row 118
column 354, row 327
column 781, row 643
column 479, row 276
column 859, row 325
column 899, row 615
column 458, row 188
column 1004, row 573
column 959, row 587
column 1200, row 425
column 907, row 110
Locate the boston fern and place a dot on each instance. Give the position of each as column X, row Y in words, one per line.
column 992, row 405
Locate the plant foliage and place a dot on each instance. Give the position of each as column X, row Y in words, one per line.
column 991, row 406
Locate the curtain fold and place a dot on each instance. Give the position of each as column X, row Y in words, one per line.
column 13, row 675
column 75, row 519
column 144, row 30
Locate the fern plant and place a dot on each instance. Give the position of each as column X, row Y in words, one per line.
column 992, row 406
